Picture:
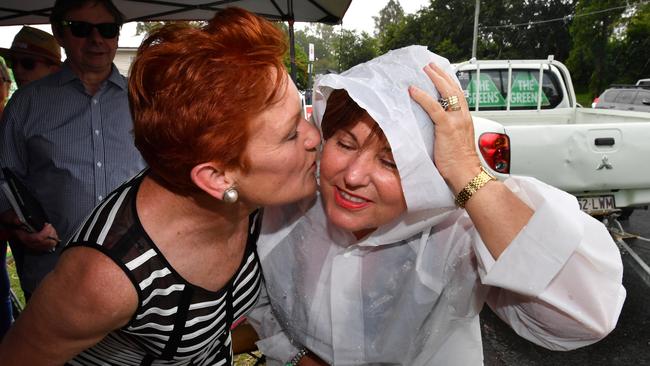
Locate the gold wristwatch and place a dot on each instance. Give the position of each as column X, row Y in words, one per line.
column 474, row 185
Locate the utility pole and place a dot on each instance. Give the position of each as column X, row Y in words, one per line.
column 292, row 51
column 310, row 66
column 477, row 9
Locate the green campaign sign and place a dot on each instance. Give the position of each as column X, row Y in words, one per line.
column 524, row 91
column 489, row 95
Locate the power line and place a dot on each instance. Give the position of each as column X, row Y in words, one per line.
column 565, row 18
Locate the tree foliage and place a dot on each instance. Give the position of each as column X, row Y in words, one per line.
column 443, row 27
column 148, row 27
column 591, row 56
column 517, row 29
column 354, row 48
column 386, row 21
column 389, row 14
column 337, row 50
column 324, row 38
column 447, row 27
column 601, row 41
column 635, row 47
column 622, row 57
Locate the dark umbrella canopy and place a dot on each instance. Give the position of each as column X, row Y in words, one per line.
column 17, row 12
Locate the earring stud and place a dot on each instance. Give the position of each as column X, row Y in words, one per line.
column 230, row 195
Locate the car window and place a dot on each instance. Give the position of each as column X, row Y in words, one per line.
column 610, row 95
column 641, row 96
column 626, row 96
column 524, row 89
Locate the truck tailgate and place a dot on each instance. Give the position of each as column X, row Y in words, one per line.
column 583, row 157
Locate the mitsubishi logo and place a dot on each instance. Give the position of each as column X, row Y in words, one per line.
column 605, row 164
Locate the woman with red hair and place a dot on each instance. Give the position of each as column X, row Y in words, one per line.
column 161, row 269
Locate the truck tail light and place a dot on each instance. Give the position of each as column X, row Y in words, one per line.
column 495, row 148
column 595, row 102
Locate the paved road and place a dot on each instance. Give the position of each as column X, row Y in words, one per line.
column 628, row 344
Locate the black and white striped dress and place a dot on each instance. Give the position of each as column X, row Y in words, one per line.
column 176, row 323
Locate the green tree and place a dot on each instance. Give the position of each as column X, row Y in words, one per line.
column 324, row 37
column 389, row 14
column 400, row 34
column 148, row 27
column 515, row 29
column 354, row 49
column 301, row 67
column 443, row 27
column 386, row 21
column 591, row 53
column 632, row 50
column 300, row 59
column 446, row 27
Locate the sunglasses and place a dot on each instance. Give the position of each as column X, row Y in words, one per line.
column 83, row 29
column 27, row 63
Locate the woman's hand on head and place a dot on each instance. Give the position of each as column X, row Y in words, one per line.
column 496, row 212
column 454, row 148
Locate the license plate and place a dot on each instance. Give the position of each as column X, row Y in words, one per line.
column 591, row 203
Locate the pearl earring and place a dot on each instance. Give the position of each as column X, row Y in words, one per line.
column 230, row 195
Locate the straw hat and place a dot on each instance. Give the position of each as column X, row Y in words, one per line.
column 34, row 42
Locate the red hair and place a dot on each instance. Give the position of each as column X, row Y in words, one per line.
column 193, row 92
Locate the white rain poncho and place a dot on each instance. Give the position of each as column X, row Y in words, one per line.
column 410, row 293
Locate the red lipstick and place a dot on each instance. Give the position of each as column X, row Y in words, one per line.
column 347, row 204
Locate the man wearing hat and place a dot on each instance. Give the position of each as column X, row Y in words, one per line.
column 33, row 55
column 68, row 136
column 5, row 85
column 6, row 316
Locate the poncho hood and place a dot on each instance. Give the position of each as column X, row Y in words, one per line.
column 380, row 86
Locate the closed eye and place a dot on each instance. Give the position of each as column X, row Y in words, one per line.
column 293, row 135
column 344, row 145
column 389, row 164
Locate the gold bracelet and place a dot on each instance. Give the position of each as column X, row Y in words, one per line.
column 474, row 185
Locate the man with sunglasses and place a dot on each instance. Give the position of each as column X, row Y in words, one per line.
column 68, row 136
column 33, row 55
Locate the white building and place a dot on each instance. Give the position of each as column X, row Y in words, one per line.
column 123, row 58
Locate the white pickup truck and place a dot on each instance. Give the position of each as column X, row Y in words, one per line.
column 600, row 156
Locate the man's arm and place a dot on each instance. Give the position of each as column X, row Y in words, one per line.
column 86, row 297
column 13, row 155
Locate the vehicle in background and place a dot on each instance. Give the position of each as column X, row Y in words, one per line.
column 643, row 82
column 625, row 97
column 595, row 101
column 306, row 108
column 600, row 156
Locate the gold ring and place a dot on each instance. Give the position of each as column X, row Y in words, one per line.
column 444, row 103
column 454, row 105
